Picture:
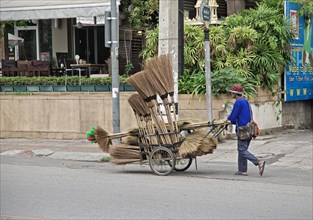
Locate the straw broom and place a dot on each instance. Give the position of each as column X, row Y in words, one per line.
column 161, row 74
column 194, row 125
column 140, row 109
column 143, row 87
column 197, row 143
column 138, row 82
column 162, row 69
column 104, row 139
column 124, row 151
column 162, row 82
column 123, row 154
column 141, row 125
column 200, row 142
column 154, row 108
column 131, row 140
column 190, row 144
column 207, row 145
column 165, row 62
column 145, row 112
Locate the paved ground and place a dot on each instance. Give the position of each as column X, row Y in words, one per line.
column 290, row 148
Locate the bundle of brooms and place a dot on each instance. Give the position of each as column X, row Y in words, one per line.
column 123, row 154
column 156, row 80
column 104, row 139
column 197, row 143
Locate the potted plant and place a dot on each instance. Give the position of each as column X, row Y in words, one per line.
column 72, row 83
column 59, row 84
column 124, row 86
column 102, row 84
column 87, row 84
column 6, row 84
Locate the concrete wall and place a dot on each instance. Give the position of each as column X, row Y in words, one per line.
column 298, row 114
column 70, row 115
column 266, row 111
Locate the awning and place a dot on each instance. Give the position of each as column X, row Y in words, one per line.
column 52, row 9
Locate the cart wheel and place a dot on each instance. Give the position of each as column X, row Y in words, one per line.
column 160, row 160
column 182, row 164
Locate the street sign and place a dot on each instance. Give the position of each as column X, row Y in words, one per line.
column 205, row 13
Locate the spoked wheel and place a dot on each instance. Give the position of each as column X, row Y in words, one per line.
column 182, row 164
column 160, row 160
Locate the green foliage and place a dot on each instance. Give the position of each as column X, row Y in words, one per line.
column 221, row 81
column 8, row 24
column 151, row 46
column 53, row 80
column 193, row 46
column 253, row 44
column 251, row 48
column 141, row 14
column 192, row 83
column 276, row 4
column 128, row 68
column 271, row 47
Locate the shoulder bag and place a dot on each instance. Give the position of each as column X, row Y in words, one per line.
column 250, row 130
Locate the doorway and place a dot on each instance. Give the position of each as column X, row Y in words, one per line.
column 89, row 44
column 30, row 49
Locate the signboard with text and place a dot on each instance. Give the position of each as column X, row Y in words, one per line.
column 299, row 73
column 205, row 13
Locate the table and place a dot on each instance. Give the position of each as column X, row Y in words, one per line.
column 88, row 66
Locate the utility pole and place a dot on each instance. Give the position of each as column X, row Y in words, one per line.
column 168, row 37
column 181, row 62
column 205, row 15
column 115, row 71
column 208, row 72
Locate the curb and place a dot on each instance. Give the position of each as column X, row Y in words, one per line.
column 78, row 156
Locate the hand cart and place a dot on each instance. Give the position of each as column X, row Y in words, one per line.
column 164, row 158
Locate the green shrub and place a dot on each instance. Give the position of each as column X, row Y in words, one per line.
column 54, row 80
column 221, row 82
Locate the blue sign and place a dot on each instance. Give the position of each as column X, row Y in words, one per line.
column 205, row 13
column 299, row 73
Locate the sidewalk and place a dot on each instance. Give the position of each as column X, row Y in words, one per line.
column 57, row 149
column 292, row 148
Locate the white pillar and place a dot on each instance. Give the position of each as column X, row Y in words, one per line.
column 168, row 35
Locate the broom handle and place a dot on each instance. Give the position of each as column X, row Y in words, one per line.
column 155, row 116
column 141, row 128
column 151, row 129
column 170, row 122
column 160, row 122
column 147, row 137
column 119, row 135
column 200, row 125
column 174, row 111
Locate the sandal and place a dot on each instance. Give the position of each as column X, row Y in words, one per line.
column 241, row 173
column 261, row 168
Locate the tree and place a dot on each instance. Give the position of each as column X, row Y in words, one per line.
column 141, row 14
column 252, row 45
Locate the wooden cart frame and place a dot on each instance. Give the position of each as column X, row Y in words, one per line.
column 164, row 158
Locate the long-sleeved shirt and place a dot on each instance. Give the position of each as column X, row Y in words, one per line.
column 240, row 114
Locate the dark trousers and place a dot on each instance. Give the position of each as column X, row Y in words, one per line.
column 244, row 155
